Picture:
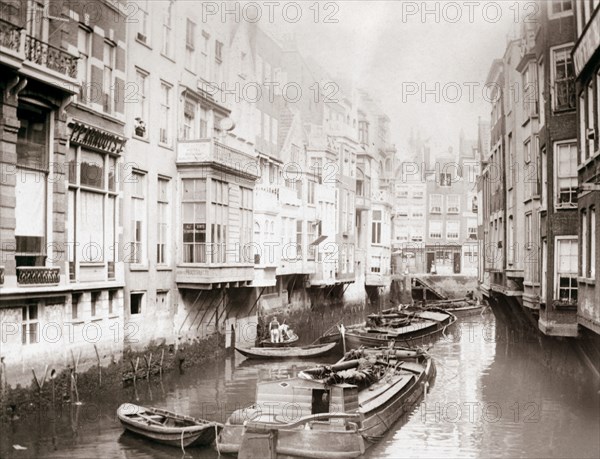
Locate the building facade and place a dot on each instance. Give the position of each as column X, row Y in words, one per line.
column 586, row 60
column 62, row 146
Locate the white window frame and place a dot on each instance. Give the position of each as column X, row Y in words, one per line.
column 557, row 204
column 431, row 202
column 558, row 241
column 562, row 13
column 165, row 114
column 553, row 52
column 441, row 229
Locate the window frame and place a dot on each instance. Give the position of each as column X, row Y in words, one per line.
column 557, row 178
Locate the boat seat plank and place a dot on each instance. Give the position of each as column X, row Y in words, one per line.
column 432, row 315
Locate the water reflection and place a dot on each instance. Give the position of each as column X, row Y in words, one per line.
column 499, row 392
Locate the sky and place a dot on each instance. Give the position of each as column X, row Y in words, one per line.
column 398, row 52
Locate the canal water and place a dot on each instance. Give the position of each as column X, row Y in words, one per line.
column 500, row 391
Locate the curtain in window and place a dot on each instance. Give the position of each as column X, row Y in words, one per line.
column 90, row 228
column 30, row 209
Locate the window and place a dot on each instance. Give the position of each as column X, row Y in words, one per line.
column 311, row 191
column 560, row 8
column 544, row 184
column 165, row 113
column 204, row 50
column 472, row 228
column 435, row 229
column 541, row 93
column 138, row 217
column 84, row 45
column 95, row 303
column 166, row 28
column 298, row 185
column 445, row 179
column 584, row 243
column 435, row 204
column 376, row 227
column 91, row 209
column 453, row 204
column 563, row 84
column 376, row 264
column 218, row 62
column 135, row 303
column 510, row 237
column 417, row 195
column 36, row 20
column 190, row 45
column 143, row 31
column 590, row 133
column 219, row 218
column 30, row 186
column 141, row 110
column 163, row 217
column 299, row 231
column 108, row 102
column 247, row 220
column 363, row 132
column 530, row 90
column 452, row 230
column 566, row 174
column 194, row 220
column 566, row 270
column 29, row 325
column 592, row 251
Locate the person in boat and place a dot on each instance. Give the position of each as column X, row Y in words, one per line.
column 283, row 331
column 274, row 330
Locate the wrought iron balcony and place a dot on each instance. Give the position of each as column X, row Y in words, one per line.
column 10, row 36
column 51, row 57
column 37, row 275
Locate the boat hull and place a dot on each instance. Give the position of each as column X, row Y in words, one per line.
column 286, row 352
column 201, row 434
column 355, row 336
column 320, row 441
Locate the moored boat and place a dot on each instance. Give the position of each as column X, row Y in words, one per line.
column 406, row 327
column 333, row 411
column 460, row 307
column 313, row 350
column 166, row 427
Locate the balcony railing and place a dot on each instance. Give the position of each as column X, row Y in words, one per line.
column 10, row 36
column 210, row 150
column 51, row 57
column 37, row 275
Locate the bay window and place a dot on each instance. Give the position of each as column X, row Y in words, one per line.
column 194, row 220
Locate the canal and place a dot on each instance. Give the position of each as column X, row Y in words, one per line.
column 500, row 391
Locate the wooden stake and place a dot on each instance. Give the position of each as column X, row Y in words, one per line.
column 99, row 367
column 162, row 356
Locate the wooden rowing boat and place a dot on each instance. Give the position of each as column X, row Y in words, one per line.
column 314, row 350
column 407, row 327
column 333, row 412
column 167, row 427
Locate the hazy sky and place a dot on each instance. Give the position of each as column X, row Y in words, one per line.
column 391, row 49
